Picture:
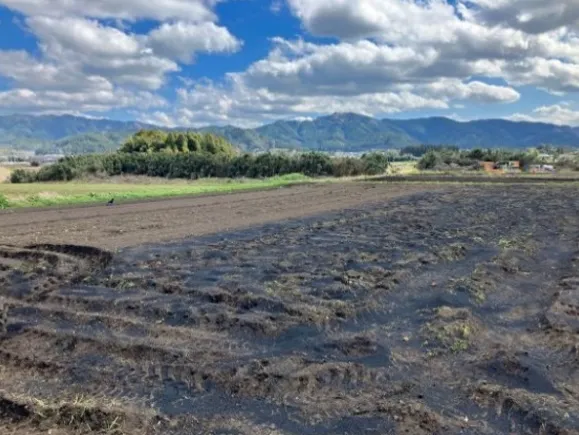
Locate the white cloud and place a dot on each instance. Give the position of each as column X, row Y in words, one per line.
column 235, row 102
column 531, row 16
column 497, row 38
column 181, row 40
column 30, row 73
column 276, row 6
column 390, row 58
column 82, row 36
column 452, row 89
column 559, row 114
column 23, row 99
column 363, row 67
column 157, row 118
column 96, row 66
column 386, row 56
column 191, row 10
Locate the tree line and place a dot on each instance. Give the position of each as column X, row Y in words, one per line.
column 196, row 155
column 441, row 157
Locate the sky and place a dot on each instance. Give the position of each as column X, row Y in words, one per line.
column 251, row 62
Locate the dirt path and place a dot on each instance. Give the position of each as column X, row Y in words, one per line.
column 156, row 221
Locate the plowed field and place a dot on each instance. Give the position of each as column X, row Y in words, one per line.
column 336, row 309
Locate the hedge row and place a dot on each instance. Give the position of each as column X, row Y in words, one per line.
column 202, row 165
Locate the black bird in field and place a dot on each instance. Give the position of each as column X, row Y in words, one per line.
column 111, row 202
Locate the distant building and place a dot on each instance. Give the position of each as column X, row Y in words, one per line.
column 501, row 167
column 541, row 168
column 48, row 158
column 488, row 166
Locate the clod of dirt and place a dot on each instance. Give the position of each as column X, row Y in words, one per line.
column 358, row 346
column 519, row 411
column 453, row 252
column 563, row 315
column 519, row 371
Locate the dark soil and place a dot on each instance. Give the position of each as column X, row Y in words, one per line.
column 447, row 312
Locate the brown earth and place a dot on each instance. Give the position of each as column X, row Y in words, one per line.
column 169, row 219
column 450, row 311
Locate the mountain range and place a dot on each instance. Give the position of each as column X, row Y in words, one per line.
column 348, row 132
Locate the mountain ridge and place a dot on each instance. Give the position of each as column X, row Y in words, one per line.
column 336, row 132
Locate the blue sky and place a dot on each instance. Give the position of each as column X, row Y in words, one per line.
column 249, row 62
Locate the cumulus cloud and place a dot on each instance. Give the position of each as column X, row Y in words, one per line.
column 191, row 10
column 26, row 71
column 384, row 56
column 531, row 16
column 182, row 40
column 559, row 114
column 88, row 63
column 23, row 99
column 388, row 57
column 497, row 38
column 235, row 101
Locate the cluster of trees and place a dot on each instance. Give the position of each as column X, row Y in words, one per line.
column 420, row 150
column 155, row 141
column 444, row 157
column 202, row 165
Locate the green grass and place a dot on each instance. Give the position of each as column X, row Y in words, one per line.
column 48, row 194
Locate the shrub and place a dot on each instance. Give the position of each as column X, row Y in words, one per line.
column 4, row 203
column 347, row 167
column 23, row 176
column 375, row 163
column 429, row 161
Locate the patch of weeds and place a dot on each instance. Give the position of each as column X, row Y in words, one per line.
column 474, row 288
column 82, row 414
column 452, row 252
column 508, row 262
column 523, row 243
column 477, row 285
column 459, row 345
column 451, row 329
column 4, row 203
column 34, row 200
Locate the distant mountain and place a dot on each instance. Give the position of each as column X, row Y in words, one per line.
column 26, row 131
column 488, row 133
column 343, row 132
column 86, row 143
column 244, row 139
column 337, row 132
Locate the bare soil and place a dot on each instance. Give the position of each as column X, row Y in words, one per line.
column 169, row 219
column 451, row 311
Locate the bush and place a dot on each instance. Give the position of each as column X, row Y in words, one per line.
column 429, row 161
column 23, row 176
column 347, row 167
column 375, row 163
column 4, row 203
